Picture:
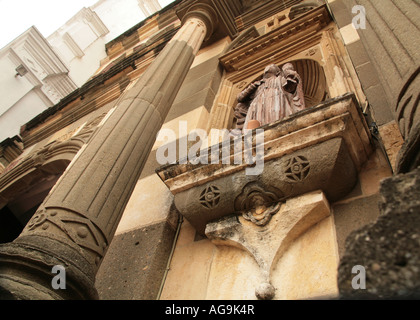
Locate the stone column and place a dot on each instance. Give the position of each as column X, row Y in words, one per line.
column 77, row 221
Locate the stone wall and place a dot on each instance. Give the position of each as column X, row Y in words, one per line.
column 387, row 61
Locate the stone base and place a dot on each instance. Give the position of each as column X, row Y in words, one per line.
column 135, row 263
column 27, row 270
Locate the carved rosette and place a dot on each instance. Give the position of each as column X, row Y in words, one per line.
column 258, row 204
column 297, row 168
column 210, row 197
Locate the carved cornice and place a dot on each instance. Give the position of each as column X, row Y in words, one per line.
column 297, row 32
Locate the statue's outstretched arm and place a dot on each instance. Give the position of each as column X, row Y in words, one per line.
column 245, row 95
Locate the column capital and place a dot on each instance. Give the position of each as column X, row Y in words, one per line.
column 218, row 15
column 206, row 14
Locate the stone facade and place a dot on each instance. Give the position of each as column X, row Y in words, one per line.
column 86, row 189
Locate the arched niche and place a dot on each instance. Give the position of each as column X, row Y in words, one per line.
column 27, row 182
column 24, row 196
column 313, row 80
column 311, row 41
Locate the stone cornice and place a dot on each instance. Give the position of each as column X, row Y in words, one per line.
column 263, row 11
column 295, row 31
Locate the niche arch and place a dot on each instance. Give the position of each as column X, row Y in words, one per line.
column 27, row 181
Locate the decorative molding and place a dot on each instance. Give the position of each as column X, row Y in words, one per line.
column 91, row 18
column 33, row 51
column 297, row 168
column 210, row 197
column 262, row 12
column 72, row 45
column 17, row 176
column 257, row 204
column 298, row 31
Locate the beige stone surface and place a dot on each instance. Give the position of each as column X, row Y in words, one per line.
column 349, row 34
column 189, row 271
column 267, row 245
column 392, row 140
column 376, row 169
column 149, row 203
column 308, row 269
column 210, row 51
column 234, row 275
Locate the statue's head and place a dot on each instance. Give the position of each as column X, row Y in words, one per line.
column 271, row 70
column 288, row 66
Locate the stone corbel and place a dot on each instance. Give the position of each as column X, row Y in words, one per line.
column 322, row 148
column 266, row 243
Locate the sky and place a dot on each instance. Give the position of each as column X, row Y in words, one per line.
column 17, row 16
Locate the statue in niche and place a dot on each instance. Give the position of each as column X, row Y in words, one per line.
column 277, row 95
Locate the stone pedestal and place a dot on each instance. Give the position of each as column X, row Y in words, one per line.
column 266, row 243
column 320, row 148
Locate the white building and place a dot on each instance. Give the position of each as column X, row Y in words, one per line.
column 33, row 77
column 36, row 73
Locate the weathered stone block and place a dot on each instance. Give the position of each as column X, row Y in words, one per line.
column 135, row 263
column 389, row 248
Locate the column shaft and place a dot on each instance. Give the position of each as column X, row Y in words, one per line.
column 76, row 222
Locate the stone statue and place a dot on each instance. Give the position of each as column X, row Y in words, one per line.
column 277, row 95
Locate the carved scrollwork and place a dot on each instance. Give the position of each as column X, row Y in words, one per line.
column 37, row 220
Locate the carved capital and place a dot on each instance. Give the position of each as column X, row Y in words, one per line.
column 218, row 15
column 206, row 14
